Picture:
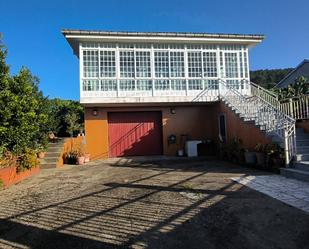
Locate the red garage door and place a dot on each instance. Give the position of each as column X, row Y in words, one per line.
column 135, row 133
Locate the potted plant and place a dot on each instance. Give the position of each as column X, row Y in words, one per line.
column 80, row 155
column 87, row 158
column 275, row 157
column 41, row 150
column 260, row 154
column 250, row 157
column 70, row 157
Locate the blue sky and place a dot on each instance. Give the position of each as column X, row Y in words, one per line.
column 31, row 30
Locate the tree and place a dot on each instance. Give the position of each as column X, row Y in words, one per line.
column 71, row 120
column 21, row 120
column 299, row 88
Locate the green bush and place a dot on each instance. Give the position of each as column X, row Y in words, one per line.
column 27, row 160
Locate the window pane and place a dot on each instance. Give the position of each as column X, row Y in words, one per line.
column 162, row 85
column 91, row 63
column 108, row 85
column 91, row 85
column 144, row 85
column 211, row 84
column 177, row 64
column 246, row 64
column 194, row 64
column 210, row 64
column 107, row 64
column 126, row 85
column 178, row 84
column 127, row 64
column 195, row 85
column 142, row 64
column 231, row 65
column 161, row 64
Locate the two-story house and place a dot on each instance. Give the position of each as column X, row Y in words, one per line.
column 145, row 93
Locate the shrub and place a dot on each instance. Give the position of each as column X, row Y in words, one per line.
column 27, row 160
column 7, row 159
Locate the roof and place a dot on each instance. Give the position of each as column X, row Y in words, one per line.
column 74, row 36
column 301, row 70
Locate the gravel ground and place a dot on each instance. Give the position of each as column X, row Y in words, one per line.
column 167, row 204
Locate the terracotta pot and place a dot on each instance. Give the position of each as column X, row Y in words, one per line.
column 41, row 154
column 260, row 158
column 80, row 160
column 87, row 158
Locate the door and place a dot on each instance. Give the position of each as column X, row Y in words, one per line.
column 135, row 133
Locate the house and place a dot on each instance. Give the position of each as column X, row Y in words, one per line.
column 146, row 93
column 301, row 70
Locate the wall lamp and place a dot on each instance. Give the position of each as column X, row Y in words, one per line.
column 173, row 111
column 95, row 112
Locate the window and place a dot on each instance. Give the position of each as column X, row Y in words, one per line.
column 210, row 64
column 177, row 64
column 211, row 84
column 178, row 84
column 162, row 85
column 231, row 65
column 107, row 64
column 90, row 85
column 90, row 63
column 194, row 64
column 144, row 85
column 246, row 64
column 195, row 85
column 142, row 64
column 161, row 64
column 126, row 85
column 126, row 64
column 108, row 85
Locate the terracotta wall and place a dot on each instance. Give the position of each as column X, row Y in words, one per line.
column 198, row 122
column 236, row 127
column 303, row 124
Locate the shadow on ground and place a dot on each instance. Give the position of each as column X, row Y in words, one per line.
column 147, row 205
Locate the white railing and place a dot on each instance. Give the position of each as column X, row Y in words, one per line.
column 262, row 108
column 296, row 107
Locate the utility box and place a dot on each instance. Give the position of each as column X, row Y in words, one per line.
column 191, row 147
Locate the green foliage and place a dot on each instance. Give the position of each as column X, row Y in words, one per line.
column 71, row 119
column 268, row 78
column 27, row 160
column 57, row 110
column 298, row 89
column 22, row 116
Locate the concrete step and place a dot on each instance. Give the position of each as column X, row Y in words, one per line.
column 49, row 160
column 302, row 165
column 52, row 154
column 56, row 149
column 302, row 157
column 303, row 149
column 47, row 165
column 302, row 142
column 295, row 173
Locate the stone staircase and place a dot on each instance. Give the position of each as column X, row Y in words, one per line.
column 300, row 167
column 52, row 155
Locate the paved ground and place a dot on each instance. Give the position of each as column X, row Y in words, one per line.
column 147, row 205
column 290, row 191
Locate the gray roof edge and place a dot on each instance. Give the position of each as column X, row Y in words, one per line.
column 66, row 32
column 290, row 73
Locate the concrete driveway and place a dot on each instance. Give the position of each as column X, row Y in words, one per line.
column 167, row 204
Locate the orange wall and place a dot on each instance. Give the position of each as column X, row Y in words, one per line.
column 199, row 122
column 191, row 120
column 236, row 127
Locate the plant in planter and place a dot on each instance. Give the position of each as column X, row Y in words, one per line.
column 41, row 150
column 87, row 158
column 275, row 157
column 233, row 150
column 250, row 157
column 260, row 154
column 70, row 157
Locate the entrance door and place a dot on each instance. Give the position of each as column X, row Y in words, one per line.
column 135, row 133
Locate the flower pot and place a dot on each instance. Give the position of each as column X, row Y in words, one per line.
column 41, row 154
column 250, row 157
column 87, row 158
column 80, row 160
column 260, row 158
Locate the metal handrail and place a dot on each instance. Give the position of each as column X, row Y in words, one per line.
column 263, row 109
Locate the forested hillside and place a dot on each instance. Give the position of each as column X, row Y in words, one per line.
column 268, row 78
